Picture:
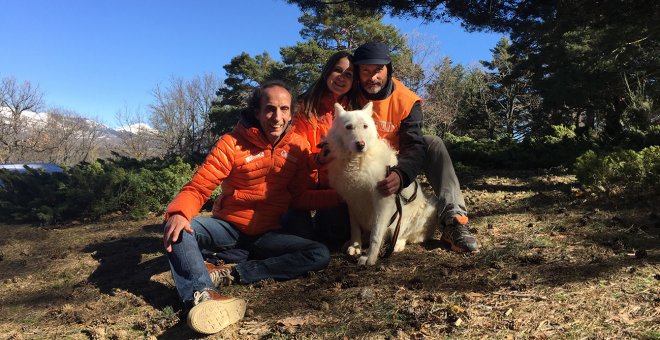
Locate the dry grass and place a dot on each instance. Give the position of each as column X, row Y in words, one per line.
column 553, row 265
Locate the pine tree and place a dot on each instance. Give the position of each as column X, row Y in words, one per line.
column 595, row 65
column 337, row 27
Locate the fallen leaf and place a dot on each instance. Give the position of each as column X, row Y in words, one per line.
column 474, row 295
column 293, row 321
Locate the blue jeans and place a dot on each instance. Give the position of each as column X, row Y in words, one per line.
column 273, row 255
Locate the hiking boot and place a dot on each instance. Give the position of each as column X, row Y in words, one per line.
column 212, row 312
column 220, row 274
column 457, row 234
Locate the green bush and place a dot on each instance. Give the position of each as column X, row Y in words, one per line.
column 620, row 172
column 652, row 136
column 30, row 196
column 651, row 163
column 558, row 149
column 559, row 134
column 90, row 190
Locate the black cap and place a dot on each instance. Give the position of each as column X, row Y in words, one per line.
column 372, row 53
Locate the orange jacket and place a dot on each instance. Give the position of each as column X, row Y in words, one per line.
column 389, row 112
column 314, row 132
column 259, row 181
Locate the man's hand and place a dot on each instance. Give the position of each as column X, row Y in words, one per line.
column 172, row 231
column 390, row 185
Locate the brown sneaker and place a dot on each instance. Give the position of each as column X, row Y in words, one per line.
column 212, row 312
column 457, row 234
column 220, row 274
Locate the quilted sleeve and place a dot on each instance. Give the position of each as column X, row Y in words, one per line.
column 209, row 176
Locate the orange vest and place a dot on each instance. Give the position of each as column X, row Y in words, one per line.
column 389, row 112
column 258, row 181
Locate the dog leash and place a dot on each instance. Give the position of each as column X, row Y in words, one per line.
column 398, row 213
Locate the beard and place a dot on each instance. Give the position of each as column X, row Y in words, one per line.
column 373, row 89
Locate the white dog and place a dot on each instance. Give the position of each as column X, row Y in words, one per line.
column 360, row 160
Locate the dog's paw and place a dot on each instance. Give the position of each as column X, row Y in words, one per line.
column 353, row 250
column 400, row 245
column 364, row 260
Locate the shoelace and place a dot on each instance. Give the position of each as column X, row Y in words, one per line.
column 459, row 231
column 199, row 297
column 221, row 277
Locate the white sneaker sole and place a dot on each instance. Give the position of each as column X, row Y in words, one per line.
column 212, row 316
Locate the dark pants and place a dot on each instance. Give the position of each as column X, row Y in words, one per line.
column 331, row 227
column 439, row 171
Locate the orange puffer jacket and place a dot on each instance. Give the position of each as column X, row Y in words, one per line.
column 259, row 181
column 314, row 132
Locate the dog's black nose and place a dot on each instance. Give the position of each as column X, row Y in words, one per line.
column 359, row 146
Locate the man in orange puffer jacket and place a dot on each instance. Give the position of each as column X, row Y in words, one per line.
column 263, row 170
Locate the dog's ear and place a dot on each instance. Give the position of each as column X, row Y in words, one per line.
column 333, row 138
column 369, row 108
column 338, row 109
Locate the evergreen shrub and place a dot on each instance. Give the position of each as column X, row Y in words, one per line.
column 620, row 172
column 90, row 190
column 561, row 148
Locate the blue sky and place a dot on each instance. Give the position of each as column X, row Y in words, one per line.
column 100, row 57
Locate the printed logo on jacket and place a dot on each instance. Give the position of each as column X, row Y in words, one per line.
column 250, row 158
column 288, row 156
column 384, row 126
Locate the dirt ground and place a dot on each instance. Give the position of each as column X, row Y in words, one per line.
column 555, row 263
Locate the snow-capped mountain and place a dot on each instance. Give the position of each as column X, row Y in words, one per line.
column 40, row 119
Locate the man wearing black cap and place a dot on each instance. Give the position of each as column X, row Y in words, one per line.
column 398, row 116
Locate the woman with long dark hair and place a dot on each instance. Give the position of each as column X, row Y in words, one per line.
column 313, row 120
